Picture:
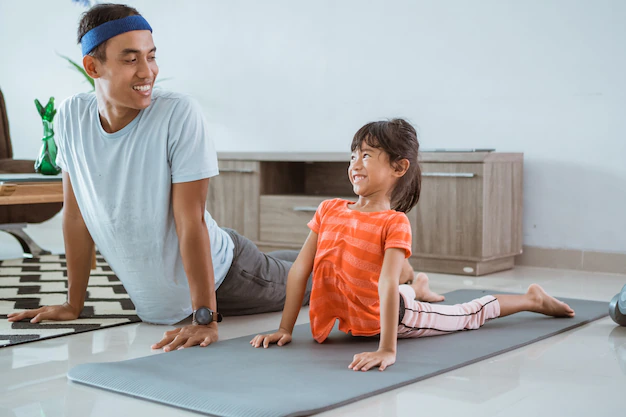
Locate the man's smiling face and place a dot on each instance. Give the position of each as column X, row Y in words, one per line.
column 127, row 76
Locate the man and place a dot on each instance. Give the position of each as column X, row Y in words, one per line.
column 136, row 166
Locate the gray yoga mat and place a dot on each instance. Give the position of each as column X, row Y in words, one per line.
column 231, row 378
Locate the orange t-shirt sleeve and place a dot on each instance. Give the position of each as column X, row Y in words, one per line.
column 398, row 233
column 316, row 221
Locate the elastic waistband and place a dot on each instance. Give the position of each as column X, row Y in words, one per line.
column 402, row 310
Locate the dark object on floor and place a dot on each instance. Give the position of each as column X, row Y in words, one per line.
column 617, row 307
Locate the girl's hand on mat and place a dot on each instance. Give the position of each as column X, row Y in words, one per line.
column 281, row 338
column 188, row 336
column 367, row 360
column 62, row 312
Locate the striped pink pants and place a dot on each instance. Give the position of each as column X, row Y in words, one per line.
column 424, row 319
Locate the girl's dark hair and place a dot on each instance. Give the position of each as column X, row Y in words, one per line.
column 97, row 15
column 398, row 139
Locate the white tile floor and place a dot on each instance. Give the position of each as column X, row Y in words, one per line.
column 579, row 373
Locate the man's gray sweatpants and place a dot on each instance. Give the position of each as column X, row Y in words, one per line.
column 256, row 282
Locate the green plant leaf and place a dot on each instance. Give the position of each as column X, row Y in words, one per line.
column 80, row 69
column 39, row 107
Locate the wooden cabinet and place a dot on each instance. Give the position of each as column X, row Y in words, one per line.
column 468, row 220
column 233, row 197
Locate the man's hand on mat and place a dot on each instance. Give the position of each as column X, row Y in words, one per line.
column 281, row 338
column 62, row 312
column 367, row 360
column 188, row 336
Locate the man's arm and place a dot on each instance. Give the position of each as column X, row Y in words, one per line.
column 78, row 252
column 188, row 203
column 79, row 248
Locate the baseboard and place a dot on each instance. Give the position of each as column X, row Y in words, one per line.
column 461, row 267
column 582, row 260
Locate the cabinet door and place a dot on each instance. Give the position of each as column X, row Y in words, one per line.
column 233, row 198
column 448, row 221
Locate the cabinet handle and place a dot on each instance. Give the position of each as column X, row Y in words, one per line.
column 240, row 170
column 449, row 174
column 305, row 209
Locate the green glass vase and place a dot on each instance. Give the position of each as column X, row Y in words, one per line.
column 46, row 163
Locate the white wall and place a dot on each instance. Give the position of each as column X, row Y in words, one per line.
column 542, row 77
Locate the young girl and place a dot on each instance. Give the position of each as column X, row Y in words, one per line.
column 357, row 252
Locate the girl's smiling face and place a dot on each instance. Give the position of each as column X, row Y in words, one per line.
column 370, row 172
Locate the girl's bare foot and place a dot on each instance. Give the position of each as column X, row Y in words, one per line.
column 546, row 304
column 422, row 289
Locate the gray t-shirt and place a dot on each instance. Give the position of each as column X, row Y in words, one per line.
column 123, row 186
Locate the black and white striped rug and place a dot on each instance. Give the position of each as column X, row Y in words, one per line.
column 33, row 283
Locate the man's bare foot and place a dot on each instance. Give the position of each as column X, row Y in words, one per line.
column 422, row 289
column 548, row 305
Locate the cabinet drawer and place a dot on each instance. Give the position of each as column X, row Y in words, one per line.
column 284, row 218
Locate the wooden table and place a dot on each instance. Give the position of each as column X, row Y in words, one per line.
column 28, row 189
column 31, row 189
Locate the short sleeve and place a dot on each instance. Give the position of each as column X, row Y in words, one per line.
column 191, row 151
column 60, row 137
column 316, row 221
column 398, row 233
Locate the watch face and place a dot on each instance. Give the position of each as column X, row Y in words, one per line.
column 204, row 315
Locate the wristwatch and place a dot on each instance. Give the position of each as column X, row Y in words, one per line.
column 205, row 315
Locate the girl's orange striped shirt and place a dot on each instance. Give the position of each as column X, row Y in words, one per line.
column 349, row 258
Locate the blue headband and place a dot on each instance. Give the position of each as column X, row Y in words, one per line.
column 107, row 30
